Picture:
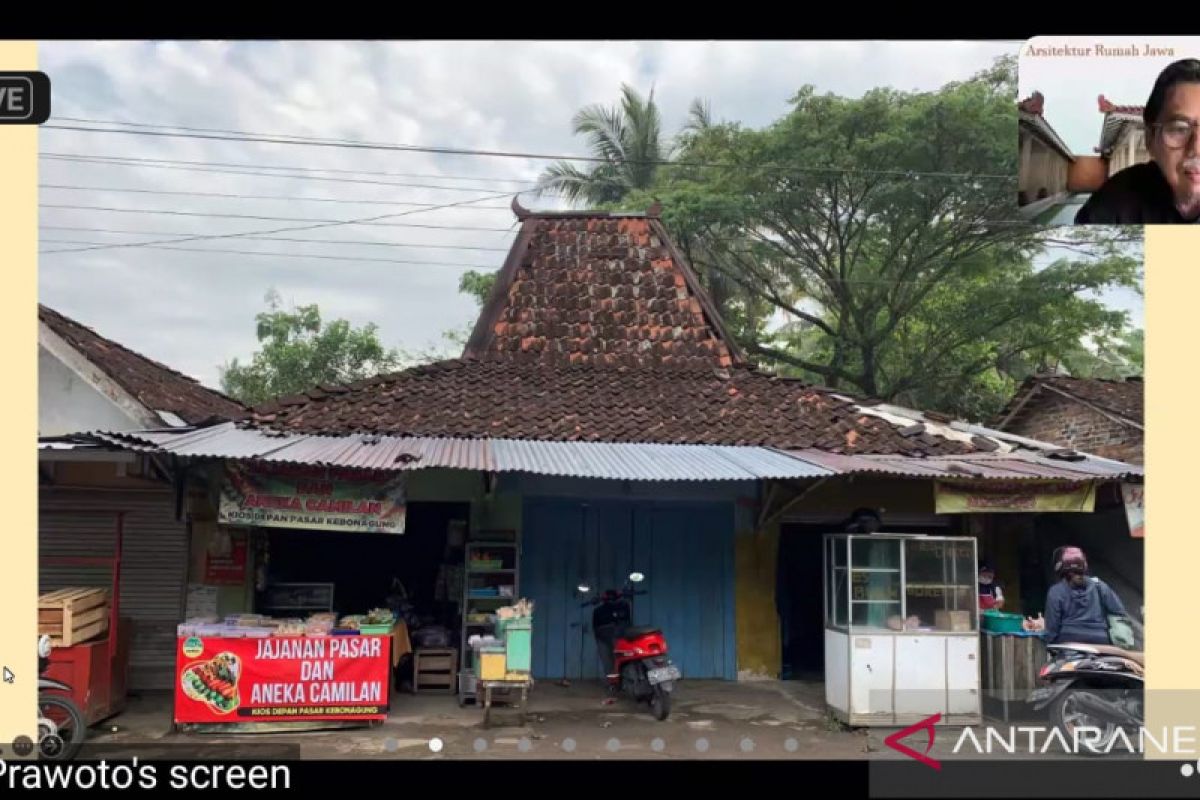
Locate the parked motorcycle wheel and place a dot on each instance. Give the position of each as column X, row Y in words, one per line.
column 1067, row 716
column 660, row 703
column 69, row 726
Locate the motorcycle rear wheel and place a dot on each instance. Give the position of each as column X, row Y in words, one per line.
column 660, row 703
column 69, row 723
column 1067, row 717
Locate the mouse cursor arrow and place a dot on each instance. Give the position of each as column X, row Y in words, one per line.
column 8, row 675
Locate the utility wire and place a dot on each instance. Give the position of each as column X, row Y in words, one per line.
column 216, row 215
column 356, row 242
column 235, row 196
column 133, row 160
column 323, row 178
column 243, row 136
column 327, row 224
column 318, row 256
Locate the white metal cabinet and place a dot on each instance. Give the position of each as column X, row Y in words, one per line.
column 872, row 662
column 837, row 669
column 962, row 675
column 920, row 684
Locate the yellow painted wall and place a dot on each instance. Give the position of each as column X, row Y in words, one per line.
column 759, row 644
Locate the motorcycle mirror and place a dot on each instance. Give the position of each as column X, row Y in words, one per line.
column 583, row 588
column 637, row 577
column 44, row 646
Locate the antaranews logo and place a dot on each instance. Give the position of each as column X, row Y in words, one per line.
column 926, row 725
column 24, row 98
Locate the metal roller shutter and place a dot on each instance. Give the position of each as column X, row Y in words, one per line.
column 153, row 565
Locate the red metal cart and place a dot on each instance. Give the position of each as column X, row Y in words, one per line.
column 97, row 671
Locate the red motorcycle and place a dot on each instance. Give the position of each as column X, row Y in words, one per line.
column 635, row 656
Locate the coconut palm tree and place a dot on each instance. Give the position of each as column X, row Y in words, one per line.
column 628, row 137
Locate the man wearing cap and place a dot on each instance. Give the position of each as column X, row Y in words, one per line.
column 1078, row 606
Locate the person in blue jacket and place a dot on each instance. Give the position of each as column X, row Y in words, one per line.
column 1078, row 605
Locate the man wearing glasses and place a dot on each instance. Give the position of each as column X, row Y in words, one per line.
column 1166, row 190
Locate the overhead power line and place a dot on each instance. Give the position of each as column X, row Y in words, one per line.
column 133, row 160
column 355, row 242
column 313, row 226
column 236, row 196
column 263, row 217
column 317, row 256
column 286, row 139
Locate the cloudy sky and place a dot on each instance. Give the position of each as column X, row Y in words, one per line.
column 1072, row 83
column 194, row 310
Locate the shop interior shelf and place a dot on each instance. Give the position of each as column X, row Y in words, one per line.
column 489, row 563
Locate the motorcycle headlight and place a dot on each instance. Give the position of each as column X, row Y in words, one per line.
column 44, row 646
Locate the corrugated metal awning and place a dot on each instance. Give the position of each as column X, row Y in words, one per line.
column 602, row 460
column 1015, row 466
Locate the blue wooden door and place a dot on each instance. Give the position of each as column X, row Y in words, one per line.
column 685, row 550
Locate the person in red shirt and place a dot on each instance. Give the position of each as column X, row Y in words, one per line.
column 990, row 594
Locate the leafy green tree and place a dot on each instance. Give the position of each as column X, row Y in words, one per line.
column 870, row 244
column 299, row 351
column 1108, row 358
column 477, row 284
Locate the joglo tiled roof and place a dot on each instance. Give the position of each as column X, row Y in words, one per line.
column 597, row 330
column 599, row 289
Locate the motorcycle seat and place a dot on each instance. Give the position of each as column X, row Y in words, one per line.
column 1135, row 656
column 1112, row 650
column 636, row 631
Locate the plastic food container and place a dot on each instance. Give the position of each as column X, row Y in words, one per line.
column 492, row 663
column 1000, row 622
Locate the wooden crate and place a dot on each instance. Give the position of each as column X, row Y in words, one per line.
column 435, row 669
column 73, row 615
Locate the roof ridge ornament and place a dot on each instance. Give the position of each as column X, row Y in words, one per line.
column 521, row 212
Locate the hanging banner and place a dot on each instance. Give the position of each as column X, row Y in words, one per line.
column 1014, row 498
column 1134, row 495
column 311, row 497
column 275, row 679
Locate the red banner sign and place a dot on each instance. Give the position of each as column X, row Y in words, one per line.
column 279, row 678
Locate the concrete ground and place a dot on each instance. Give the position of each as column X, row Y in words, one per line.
column 709, row 719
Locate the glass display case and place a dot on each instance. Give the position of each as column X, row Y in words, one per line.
column 901, row 628
column 918, row 583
